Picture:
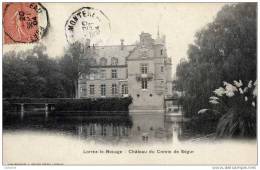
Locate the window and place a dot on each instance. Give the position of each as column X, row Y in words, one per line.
column 84, row 92
column 124, row 131
column 161, row 51
column 96, row 75
column 92, row 76
column 93, row 62
column 144, row 83
column 114, row 89
column 81, row 76
column 114, row 74
column 161, row 68
column 144, row 54
column 103, row 74
column 144, row 68
column 115, row 131
column 103, row 61
column 103, row 131
column 114, row 61
column 84, row 75
column 124, row 89
column 92, row 130
column 103, row 90
column 92, row 89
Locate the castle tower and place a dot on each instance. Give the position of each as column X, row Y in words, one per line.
column 147, row 74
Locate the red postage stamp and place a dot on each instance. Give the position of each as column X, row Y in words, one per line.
column 21, row 22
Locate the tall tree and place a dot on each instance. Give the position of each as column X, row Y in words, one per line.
column 32, row 73
column 224, row 50
column 74, row 63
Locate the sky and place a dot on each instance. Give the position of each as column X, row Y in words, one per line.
column 177, row 21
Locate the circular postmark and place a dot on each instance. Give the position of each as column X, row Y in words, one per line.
column 25, row 22
column 87, row 23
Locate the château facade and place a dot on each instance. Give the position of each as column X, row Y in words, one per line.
column 142, row 71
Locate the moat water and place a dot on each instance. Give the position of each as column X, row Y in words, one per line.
column 137, row 128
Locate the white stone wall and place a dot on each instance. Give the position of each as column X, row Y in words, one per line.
column 85, row 83
column 143, row 98
column 148, row 51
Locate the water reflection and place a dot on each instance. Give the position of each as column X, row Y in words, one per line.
column 137, row 128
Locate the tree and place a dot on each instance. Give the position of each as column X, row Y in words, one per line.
column 224, row 50
column 32, row 73
column 236, row 104
column 73, row 64
column 20, row 78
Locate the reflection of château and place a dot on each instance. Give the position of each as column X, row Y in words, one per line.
column 154, row 130
column 103, row 130
column 142, row 71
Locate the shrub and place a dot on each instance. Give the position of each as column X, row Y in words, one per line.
column 202, row 124
column 101, row 104
column 236, row 103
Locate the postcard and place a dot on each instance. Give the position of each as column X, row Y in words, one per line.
column 129, row 83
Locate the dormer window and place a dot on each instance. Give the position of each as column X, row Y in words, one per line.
column 144, row 54
column 93, row 62
column 81, row 76
column 114, row 61
column 103, row 61
column 92, row 76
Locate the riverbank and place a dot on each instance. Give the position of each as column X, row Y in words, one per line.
column 65, row 106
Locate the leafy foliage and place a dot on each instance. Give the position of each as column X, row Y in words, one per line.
column 224, row 50
column 73, row 64
column 201, row 125
column 237, row 107
column 101, row 104
column 34, row 74
column 237, row 123
column 31, row 74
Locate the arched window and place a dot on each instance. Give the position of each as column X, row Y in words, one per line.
column 92, row 76
column 103, row 61
column 93, row 62
column 82, row 76
column 114, row 61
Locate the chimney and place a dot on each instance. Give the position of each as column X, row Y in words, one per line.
column 122, row 44
column 87, row 42
column 86, row 45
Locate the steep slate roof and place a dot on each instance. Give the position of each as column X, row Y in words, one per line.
column 112, row 51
